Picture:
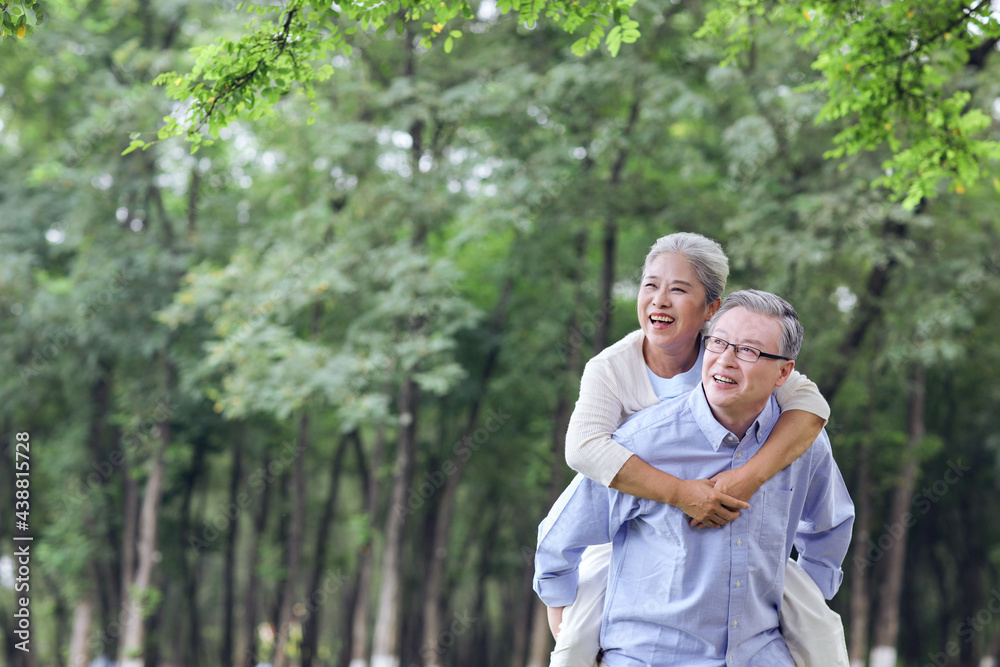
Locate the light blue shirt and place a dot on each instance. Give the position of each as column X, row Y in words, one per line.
column 698, row 597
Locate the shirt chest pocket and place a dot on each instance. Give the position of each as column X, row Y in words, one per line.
column 776, row 505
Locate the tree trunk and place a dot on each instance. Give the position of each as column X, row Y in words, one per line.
column 190, row 649
column 452, row 469
column 229, row 569
column 310, row 634
column 130, row 522
column 541, row 636
column 248, row 637
column 151, row 637
column 194, row 196
column 870, row 307
column 359, row 627
column 97, row 442
column 860, row 594
column 283, row 532
column 146, row 554
column 78, row 656
column 477, row 648
column 385, row 649
column 526, row 601
column 132, row 637
column 348, row 605
column 295, row 533
column 887, row 627
column 609, row 244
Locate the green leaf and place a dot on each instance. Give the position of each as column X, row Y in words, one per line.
column 614, row 40
column 136, row 143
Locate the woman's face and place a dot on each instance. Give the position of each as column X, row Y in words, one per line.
column 671, row 303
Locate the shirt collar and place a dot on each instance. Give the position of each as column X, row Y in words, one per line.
column 716, row 433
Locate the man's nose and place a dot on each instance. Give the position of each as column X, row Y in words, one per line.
column 729, row 355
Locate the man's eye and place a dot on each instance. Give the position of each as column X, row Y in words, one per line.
column 748, row 350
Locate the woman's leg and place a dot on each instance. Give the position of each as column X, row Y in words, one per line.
column 580, row 633
column 813, row 632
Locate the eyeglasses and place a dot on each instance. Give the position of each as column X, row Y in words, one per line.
column 744, row 352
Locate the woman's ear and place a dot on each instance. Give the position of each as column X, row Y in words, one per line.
column 713, row 308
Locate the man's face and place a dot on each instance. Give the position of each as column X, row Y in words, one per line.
column 736, row 387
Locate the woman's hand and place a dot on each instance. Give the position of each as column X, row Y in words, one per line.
column 737, row 482
column 706, row 504
column 733, row 483
column 555, row 619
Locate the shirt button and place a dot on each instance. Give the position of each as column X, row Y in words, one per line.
column 739, row 542
column 739, row 584
column 735, row 623
column 739, row 455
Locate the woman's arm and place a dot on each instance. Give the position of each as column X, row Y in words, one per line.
column 555, row 620
column 591, row 450
column 791, row 437
column 804, row 414
column 700, row 499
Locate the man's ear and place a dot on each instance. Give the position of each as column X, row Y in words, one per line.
column 785, row 371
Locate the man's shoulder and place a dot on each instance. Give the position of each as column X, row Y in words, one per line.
column 666, row 414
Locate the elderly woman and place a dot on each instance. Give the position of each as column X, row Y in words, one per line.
column 683, row 278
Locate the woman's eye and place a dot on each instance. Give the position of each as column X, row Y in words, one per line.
column 677, row 289
column 649, row 285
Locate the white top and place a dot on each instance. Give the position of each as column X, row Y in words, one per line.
column 616, row 385
column 682, row 383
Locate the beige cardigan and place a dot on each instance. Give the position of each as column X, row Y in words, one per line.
column 615, row 385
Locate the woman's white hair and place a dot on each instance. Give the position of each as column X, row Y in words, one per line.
column 707, row 258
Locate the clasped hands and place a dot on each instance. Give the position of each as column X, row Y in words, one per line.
column 712, row 503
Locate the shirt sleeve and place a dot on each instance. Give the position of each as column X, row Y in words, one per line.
column 590, row 450
column 585, row 514
column 824, row 531
column 801, row 393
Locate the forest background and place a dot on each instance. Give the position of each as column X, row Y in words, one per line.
column 300, row 397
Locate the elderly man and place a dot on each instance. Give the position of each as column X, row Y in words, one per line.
column 706, row 598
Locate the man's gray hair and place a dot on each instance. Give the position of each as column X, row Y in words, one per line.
column 707, row 258
column 770, row 305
